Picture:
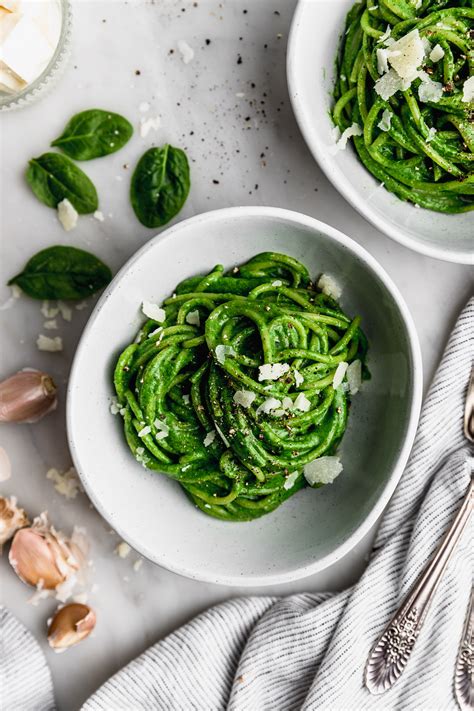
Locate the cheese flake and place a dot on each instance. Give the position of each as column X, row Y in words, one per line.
column 222, row 351
column 193, row 318
column 429, row 90
column 271, row 403
column 272, row 371
column 209, row 438
column 51, row 345
column 323, row 470
column 468, row 90
column 153, row 311
column 67, row 215
column 290, row 480
column 386, row 120
column 122, row 550
column 244, row 397
column 339, row 374
column 407, row 54
column 302, row 403
column 354, row 376
column 299, row 379
column 350, row 131
column 436, row 53
column 329, row 286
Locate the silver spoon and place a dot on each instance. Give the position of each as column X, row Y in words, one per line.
column 463, row 682
column 390, row 654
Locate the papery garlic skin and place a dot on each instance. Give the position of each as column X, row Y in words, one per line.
column 70, row 625
column 27, row 396
column 11, row 518
column 44, row 557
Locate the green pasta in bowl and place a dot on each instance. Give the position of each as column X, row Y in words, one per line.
column 404, row 93
column 239, row 386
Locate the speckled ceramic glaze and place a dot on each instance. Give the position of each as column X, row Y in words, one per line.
column 312, row 50
column 315, row 527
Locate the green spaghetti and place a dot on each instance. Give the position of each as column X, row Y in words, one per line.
column 404, row 92
column 240, row 384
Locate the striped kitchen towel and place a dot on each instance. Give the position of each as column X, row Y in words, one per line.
column 309, row 651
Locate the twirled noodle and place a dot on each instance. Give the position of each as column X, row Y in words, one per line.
column 417, row 120
column 198, row 405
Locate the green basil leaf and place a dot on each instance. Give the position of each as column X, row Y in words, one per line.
column 53, row 177
column 94, row 133
column 160, row 185
column 62, row 273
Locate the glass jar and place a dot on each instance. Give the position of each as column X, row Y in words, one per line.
column 47, row 78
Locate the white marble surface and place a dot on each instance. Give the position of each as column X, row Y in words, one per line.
column 204, row 107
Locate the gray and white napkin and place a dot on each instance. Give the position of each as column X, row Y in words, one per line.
column 309, row 651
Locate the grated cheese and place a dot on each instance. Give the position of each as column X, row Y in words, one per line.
column 290, row 480
column 302, row 403
column 429, row 90
column 354, row 130
column 222, row 352
column 299, row 379
column 271, row 403
column 209, row 438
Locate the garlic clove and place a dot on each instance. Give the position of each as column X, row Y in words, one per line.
column 44, row 557
column 27, row 396
column 11, row 518
column 70, row 625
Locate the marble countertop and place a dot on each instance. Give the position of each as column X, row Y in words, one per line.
column 229, row 108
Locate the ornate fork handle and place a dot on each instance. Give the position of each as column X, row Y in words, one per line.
column 463, row 682
column 390, row 654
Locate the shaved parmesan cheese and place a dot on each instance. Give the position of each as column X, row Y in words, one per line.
column 157, row 330
column 51, row 345
column 354, row 130
column 429, row 90
column 67, row 214
column 418, row 4
column 99, row 215
column 291, row 480
column 268, row 405
column 406, row 55
column 122, row 550
column 354, row 376
column 209, row 438
column 323, row 470
column 244, row 397
column 436, row 53
column 299, row 379
column 287, row 403
column 65, row 311
column 193, row 318
column 389, row 84
column 153, row 311
column 272, row 371
column 329, row 286
column 383, row 38
column 468, row 90
column 186, row 399
column 382, row 60
column 222, row 352
column 302, row 403
column 163, row 429
column 144, row 431
column 431, row 134
column 277, row 282
column 385, row 121
column 339, row 374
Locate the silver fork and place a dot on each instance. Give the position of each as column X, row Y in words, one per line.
column 390, row 654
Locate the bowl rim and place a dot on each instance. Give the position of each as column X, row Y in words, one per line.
column 318, row 151
column 290, row 217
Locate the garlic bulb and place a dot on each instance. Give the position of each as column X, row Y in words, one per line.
column 27, row 396
column 70, row 625
column 11, row 518
column 44, row 557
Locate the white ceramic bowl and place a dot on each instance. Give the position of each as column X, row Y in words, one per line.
column 315, row 527
column 312, row 48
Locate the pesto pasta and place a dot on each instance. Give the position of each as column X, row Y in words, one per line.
column 240, row 383
column 404, row 93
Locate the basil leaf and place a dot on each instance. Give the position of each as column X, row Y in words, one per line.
column 160, row 185
column 62, row 273
column 53, row 177
column 94, row 133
